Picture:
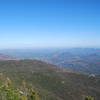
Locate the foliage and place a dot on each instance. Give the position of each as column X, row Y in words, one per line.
column 89, row 98
column 9, row 92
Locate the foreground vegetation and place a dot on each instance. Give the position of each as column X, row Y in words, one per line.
column 10, row 92
column 88, row 98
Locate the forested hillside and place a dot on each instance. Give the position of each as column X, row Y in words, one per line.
column 51, row 82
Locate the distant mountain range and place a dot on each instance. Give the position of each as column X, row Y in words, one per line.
column 5, row 57
column 81, row 59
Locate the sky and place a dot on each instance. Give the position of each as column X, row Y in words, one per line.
column 49, row 23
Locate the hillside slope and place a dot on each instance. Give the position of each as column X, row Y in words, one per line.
column 52, row 83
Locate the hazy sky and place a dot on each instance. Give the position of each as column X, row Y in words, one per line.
column 49, row 23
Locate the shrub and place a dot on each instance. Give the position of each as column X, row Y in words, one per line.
column 9, row 92
column 89, row 98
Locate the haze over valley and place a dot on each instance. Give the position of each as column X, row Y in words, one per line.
column 80, row 59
